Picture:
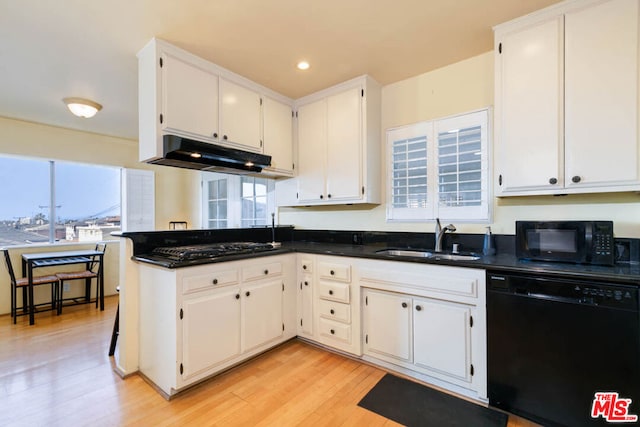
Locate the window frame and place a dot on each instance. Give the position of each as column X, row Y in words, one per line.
column 473, row 214
column 234, row 198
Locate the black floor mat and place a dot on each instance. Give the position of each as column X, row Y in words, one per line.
column 413, row 404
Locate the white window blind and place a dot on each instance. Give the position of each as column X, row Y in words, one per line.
column 443, row 160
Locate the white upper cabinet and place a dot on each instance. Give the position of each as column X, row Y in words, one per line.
column 182, row 94
column 189, row 98
column 239, row 115
column 339, row 144
column 567, row 100
column 277, row 134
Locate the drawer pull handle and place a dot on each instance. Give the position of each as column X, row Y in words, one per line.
column 333, row 273
column 237, row 296
column 304, row 266
column 266, row 272
column 332, row 312
column 215, row 281
column 333, row 332
column 419, row 308
column 404, row 305
column 330, row 292
column 306, row 283
column 248, row 293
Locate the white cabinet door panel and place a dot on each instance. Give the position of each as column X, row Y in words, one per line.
column 312, row 150
column 239, row 115
column 601, row 94
column 306, row 305
column 387, row 320
column 278, row 134
column 344, row 145
column 190, row 98
column 442, row 337
column 261, row 313
column 210, row 330
column 529, row 150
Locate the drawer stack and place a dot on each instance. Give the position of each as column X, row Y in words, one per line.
column 334, row 303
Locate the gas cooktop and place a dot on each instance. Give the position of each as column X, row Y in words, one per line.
column 209, row 250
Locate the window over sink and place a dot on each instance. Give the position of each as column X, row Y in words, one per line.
column 440, row 169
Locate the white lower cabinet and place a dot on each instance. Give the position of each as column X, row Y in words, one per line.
column 197, row 321
column 427, row 321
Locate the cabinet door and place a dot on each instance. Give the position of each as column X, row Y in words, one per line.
column 387, row 325
column 442, row 337
column 189, row 98
column 239, row 115
column 601, row 94
column 210, row 330
column 312, row 150
column 278, row 134
column 529, row 143
column 305, row 305
column 261, row 313
column 344, row 145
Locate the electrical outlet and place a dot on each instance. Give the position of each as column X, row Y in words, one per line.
column 66, row 287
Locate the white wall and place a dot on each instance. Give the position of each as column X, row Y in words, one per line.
column 457, row 88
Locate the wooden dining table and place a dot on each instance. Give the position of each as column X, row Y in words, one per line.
column 32, row 261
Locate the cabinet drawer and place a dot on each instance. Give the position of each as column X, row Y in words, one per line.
column 333, row 271
column 335, row 311
column 306, row 265
column 335, row 330
column 262, row 271
column 334, row 291
column 218, row 278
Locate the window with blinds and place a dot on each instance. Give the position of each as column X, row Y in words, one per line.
column 439, row 169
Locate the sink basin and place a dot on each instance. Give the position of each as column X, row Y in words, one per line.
column 428, row 254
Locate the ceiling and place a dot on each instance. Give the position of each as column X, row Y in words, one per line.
column 50, row 50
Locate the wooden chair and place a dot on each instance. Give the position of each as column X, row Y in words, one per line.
column 23, row 283
column 92, row 272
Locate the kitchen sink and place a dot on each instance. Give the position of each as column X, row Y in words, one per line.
column 428, row 254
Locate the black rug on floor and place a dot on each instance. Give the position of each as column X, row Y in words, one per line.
column 413, row 404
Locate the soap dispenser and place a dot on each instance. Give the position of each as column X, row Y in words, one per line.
column 489, row 246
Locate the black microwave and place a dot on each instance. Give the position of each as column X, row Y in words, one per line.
column 582, row 242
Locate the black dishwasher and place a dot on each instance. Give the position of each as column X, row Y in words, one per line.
column 553, row 343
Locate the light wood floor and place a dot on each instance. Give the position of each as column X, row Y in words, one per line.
column 57, row 373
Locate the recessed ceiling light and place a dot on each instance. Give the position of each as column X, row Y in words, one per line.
column 82, row 107
column 303, row 65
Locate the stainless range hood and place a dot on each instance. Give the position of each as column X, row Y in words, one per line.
column 189, row 154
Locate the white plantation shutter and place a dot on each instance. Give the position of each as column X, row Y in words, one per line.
column 138, row 200
column 439, row 169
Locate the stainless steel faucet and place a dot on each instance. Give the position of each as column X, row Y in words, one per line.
column 440, row 233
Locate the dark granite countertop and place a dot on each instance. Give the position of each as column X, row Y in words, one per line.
column 622, row 272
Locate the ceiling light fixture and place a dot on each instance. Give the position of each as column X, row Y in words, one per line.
column 303, row 65
column 82, row 107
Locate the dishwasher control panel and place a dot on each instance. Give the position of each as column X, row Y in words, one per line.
column 613, row 295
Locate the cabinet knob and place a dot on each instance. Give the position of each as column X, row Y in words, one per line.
column 224, row 137
column 304, row 267
column 321, row 196
column 418, row 307
column 333, row 273
column 247, row 293
column 576, row 179
column 215, row 281
column 553, row 181
column 330, row 292
column 333, row 332
column 306, row 283
column 328, row 196
column 266, row 272
column 332, row 312
column 237, row 296
column 404, row 305
column 215, row 134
